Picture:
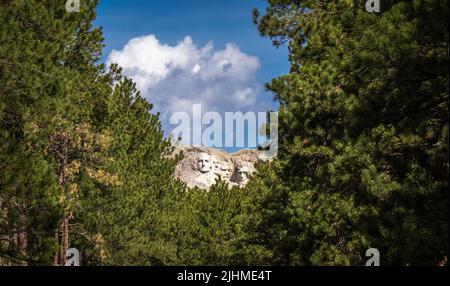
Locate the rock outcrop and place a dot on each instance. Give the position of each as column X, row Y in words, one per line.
column 202, row 166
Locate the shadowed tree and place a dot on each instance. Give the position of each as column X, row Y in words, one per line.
column 363, row 158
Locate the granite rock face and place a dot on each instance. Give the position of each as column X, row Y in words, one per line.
column 202, row 166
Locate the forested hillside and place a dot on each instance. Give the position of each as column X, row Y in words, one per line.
column 363, row 156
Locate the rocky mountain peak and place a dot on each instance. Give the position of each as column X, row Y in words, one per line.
column 202, row 166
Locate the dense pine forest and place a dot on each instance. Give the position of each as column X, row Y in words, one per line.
column 363, row 157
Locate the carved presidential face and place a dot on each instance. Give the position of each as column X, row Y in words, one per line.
column 223, row 170
column 243, row 172
column 224, row 167
column 214, row 163
column 204, row 163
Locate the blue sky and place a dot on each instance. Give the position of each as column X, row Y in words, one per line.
column 167, row 23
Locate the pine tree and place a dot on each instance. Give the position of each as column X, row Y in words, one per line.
column 363, row 158
column 50, row 98
column 212, row 230
column 127, row 219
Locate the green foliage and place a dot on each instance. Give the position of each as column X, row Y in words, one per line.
column 213, row 234
column 363, row 146
column 363, row 156
column 42, row 87
column 81, row 154
column 129, row 218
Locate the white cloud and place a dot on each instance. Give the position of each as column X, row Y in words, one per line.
column 174, row 78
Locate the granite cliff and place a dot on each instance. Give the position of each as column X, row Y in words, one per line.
column 202, row 166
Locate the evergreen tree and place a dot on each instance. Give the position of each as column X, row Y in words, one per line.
column 47, row 93
column 213, row 231
column 76, row 140
column 128, row 219
column 363, row 158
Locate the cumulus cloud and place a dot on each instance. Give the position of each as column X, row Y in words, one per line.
column 174, row 78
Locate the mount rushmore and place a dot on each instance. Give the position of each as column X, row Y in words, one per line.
column 202, row 166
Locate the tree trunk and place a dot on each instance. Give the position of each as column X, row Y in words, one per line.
column 63, row 229
column 63, row 241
